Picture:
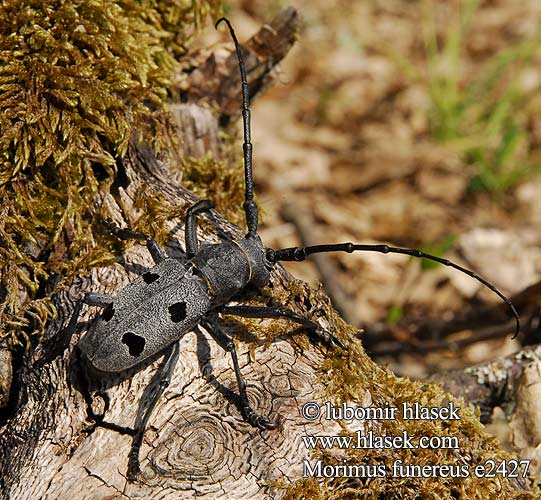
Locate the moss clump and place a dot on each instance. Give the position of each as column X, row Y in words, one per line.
column 222, row 181
column 76, row 79
column 346, row 377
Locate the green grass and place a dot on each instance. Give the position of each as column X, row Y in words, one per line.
column 483, row 115
column 438, row 249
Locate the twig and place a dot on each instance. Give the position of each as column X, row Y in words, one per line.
column 421, row 346
column 484, row 319
column 489, row 384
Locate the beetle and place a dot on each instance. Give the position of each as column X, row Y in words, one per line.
column 150, row 315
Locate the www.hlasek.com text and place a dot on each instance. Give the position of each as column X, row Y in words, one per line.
column 371, row 440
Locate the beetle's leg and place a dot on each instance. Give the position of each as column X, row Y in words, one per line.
column 57, row 345
column 278, row 312
column 192, row 245
column 151, row 395
column 158, row 255
column 90, row 299
column 226, row 343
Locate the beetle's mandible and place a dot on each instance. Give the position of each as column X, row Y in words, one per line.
column 149, row 316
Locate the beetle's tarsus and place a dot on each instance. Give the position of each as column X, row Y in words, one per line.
column 133, row 467
column 264, row 423
column 253, row 418
column 158, row 255
column 329, row 339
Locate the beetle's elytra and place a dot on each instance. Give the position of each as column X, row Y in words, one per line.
column 149, row 316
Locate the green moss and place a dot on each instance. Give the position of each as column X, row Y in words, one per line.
column 222, row 181
column 76, row 80
column 345, row 378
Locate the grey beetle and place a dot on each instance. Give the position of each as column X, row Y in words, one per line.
column 149, row 316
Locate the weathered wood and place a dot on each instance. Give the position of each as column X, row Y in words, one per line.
column 218, row 77
column 197, row 444
column 511, row 384
column 490, row 384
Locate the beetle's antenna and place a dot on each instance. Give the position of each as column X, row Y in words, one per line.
column 250, row 208
column 300, row 253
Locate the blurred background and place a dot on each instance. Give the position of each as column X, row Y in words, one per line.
column 418, row 124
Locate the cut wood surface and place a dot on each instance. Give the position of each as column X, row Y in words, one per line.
column 197, row 443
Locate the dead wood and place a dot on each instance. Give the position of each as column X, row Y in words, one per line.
column 491, row 384
column 197, row 443
column 506, row 393
column 486, row 323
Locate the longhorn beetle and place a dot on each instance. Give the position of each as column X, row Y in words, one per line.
column 149, row 316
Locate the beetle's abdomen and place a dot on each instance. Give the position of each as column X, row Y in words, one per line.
column 145, row 318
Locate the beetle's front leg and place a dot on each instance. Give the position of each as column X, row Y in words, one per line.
column 226, row 343
column 158, row 255
column 192, row 246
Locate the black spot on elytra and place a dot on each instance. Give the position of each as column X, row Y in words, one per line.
column 177, row 311
column 135, row 343
column 150, row 277
column 108, row 312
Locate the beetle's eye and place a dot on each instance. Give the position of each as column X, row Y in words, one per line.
column 135, row 343
column 177, row 311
